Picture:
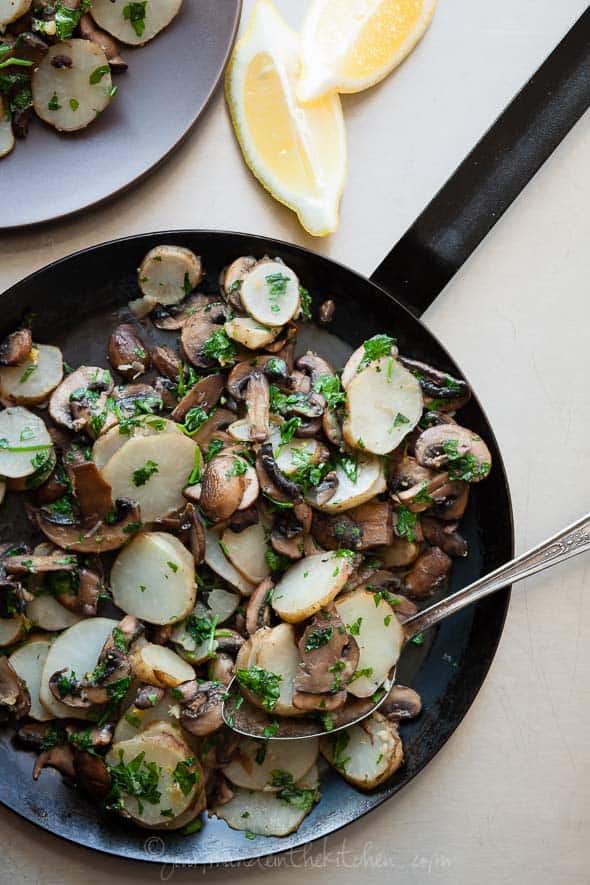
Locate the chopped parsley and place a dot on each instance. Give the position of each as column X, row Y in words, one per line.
column 355, row 629
column 219, row 347
column 360, row 674
column 418, row 639
column 464, row 467
column 400, row 419
column 53, row 103
column 277, row 286
column 290, row 794
column 331, row 389
column 238, row 468
column 142, row 474
column 340, row 742
column 375, row 348
column 184, row 777
column 28, row 372
column 213, row 449
column 135, row 14
column 289, row 428
column 194, row 420
column 306, row 303
column 137, row 778
column 97, row 74
column 74, row 104
column 406, row 524
column 318, row 637
column 262, row 683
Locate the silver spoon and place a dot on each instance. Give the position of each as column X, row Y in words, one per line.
column 252, row 722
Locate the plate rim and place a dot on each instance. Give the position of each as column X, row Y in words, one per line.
column 123, row 189
column 503, row 596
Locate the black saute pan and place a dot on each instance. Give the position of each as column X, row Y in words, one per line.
column 79, row 299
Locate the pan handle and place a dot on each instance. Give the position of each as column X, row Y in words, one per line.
column 485, row 184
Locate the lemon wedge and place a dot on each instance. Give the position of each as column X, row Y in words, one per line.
column 297, row 152
column 349, row 45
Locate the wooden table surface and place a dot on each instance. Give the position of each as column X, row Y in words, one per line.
column 508, row 798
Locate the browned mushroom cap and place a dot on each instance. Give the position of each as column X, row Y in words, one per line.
column 80, row 396
column 229, row 641
column 450, row 501
column 401, row 703
column 231, row 279
column 329, row 655
column 33, row 735
column 243, row 519
column 327, row 702
column 222, row 486
column 92, row 774
column 198, row 328
column 214, row 427
column 166, row 361
column 427, row 574
column 37, row 565
column 108, row 44
column 15, row 700
column 323, row 492
column 196, row 534
column 91, row 535
column 148, row 696
column 289, row 530
column 201, row 708
column 93, row 494
column 113, row 665
column 205, row 394
column 333, row 532
column 127, row 352
column 128, row 630
column 273, row 481
column 258, row 407
column 259, row 612
column 54, row 487
column 222, row 668
column 445, row 536
column 174, row 316
column 448, row 393
column 16, row 348
column 83, row 598
column 60, row 757
column 462, row 452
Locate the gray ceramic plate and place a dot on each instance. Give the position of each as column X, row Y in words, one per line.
column 161, row 96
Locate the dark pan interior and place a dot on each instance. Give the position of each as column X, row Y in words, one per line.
column 77, row 301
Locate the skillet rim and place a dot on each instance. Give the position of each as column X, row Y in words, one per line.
column 503, row 596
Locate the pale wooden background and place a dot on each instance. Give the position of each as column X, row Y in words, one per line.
column 507, row 800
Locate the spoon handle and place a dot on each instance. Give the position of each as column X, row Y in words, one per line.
column 569, row 542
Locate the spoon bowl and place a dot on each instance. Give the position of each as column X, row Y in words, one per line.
column 250, row 721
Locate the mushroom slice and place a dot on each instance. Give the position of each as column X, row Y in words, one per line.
column 461, row 451
column 151, row 563
column 401, row 703
column 270, row 293
column 428, row 573
column 80, row 396
column 175, row 316
column 76, row 650
column 160, row 666
column 220, row 564
column 127, row 352
column 46, row 613
column 14, row 694
column 109, row 46
column 94, row 495
column 136, row 719
column 295, row 758
column 6, row 134
column 445, row 536
column 33, row 380
column 223, row 487
column 398, row 553
column 134, row 23
column 441, row 390
column 205, row 395
column 71, row 95
column 167, row 273
column 28, row 662
column 268, row 813
column 203, row 339
column 247, row 551
column 11, row 10
column 365, row 755
column 383, row 404
column 12, row 630
column 354, row 489
column 201, row 711
column 24, row 440
column 91, row 535
column 110, row 442
column 249, row 333
column 163, row 754
column 310, row 584
column 152, row 474
column 379, row 636
column 16, row 348
column 329, row 658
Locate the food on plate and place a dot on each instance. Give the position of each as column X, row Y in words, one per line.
column 212, row 504
column 57, row 59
